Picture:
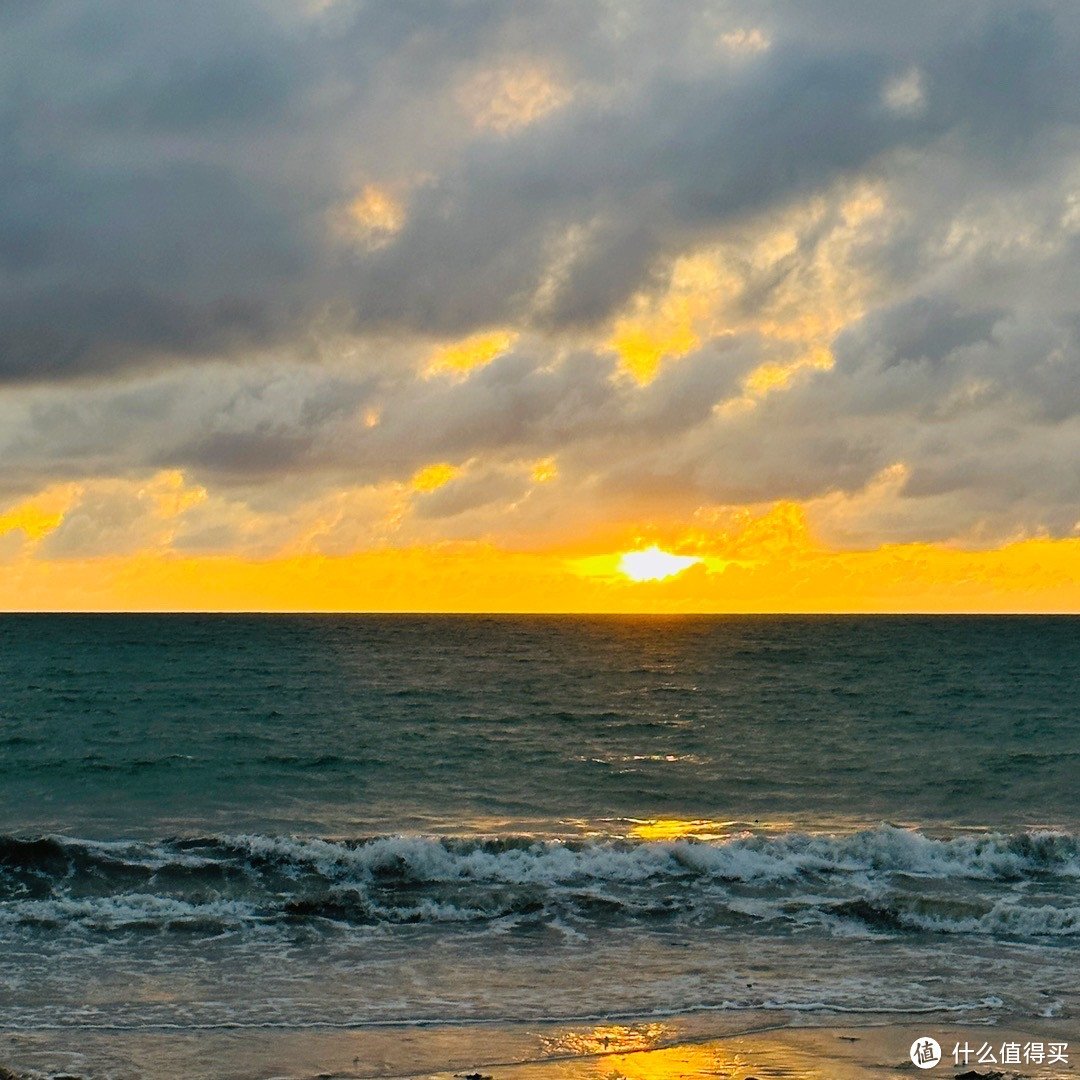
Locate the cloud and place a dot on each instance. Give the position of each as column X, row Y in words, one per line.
column 119, row 517
column 169, row 175
column 615, row 263
column 511, row 96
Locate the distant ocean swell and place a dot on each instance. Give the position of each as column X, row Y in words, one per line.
column 888, row 881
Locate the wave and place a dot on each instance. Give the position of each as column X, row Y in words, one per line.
column 747, row 859
column 886, row 880
column 247, row 1016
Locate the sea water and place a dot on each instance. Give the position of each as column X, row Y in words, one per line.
column 336, row 822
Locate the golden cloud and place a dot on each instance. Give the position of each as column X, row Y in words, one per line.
column 371, row 219
column 511, row 96
column 544, row 470
column 746, row 40
column 477, row 350
column 433, row 477
column 793, row 278
column 41, row 514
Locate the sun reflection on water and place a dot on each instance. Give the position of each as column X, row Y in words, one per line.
column 682, row 828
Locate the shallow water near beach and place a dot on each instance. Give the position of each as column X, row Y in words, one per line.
column 223, row 827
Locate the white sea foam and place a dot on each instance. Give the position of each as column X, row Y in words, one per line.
column 126, row 910
column 1003, row 919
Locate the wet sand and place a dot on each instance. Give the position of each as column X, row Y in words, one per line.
column 683, row 1048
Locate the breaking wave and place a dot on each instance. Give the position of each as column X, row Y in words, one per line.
column 882, row 881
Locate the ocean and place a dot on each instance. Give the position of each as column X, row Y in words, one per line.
column 306, row 823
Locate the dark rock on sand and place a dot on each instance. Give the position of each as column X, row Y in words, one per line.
column 971, row 1074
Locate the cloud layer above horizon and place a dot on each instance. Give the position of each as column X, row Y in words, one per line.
column 286, row 277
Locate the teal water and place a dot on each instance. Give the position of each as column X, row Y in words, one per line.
column 114, row 726
column 316, row 821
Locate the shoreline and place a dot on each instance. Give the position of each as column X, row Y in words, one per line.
column 686, row 1047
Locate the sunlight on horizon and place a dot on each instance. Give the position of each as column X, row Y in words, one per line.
column 653, row 564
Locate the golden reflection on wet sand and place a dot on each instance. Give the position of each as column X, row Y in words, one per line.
column 788, row 1053
column 633, row 1053
column 608, row 1039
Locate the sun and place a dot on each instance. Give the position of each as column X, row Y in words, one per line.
column 652, row 564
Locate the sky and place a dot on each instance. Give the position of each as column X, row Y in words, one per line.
column 540, row 305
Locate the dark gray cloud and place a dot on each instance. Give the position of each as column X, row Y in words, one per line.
column 167, row 170
column 925, row 328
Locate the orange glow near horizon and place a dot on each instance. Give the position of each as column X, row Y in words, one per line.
column 725, row 560
column 1031, row 576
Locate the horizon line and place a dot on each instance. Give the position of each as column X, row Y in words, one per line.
column 543, row 614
